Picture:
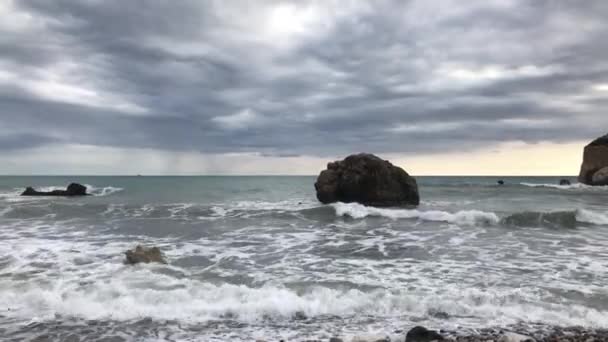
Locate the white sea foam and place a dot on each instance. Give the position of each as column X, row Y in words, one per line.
column 342, row 274
column 5, row 211
column 101, row 191
column 466, row 217
column 573, row 186
column 135, row 293
column 84, row 281
column 287, row 205
column 584, row 215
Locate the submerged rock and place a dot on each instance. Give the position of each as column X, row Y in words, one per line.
column 564, row 182
column 595, row 159
column 439, row 314
column 300, row 316
column 500, row 182
column 513, row 337
column 145, row 255
column 73, row 189
column 366, row 179
column 422, row 334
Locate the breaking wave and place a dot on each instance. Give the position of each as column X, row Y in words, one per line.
column 103, row 191
column 557, row 219
column 583, row 215
column 574, row 186
column 466, row 217
column 194, row 301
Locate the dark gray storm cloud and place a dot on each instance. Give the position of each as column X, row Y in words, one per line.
column 303, row 77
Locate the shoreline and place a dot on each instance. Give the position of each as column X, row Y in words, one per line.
column 123, row 331
column 540, row 333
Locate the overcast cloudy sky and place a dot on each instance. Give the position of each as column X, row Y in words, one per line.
column 250, row 87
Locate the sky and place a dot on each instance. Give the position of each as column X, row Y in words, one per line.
column 449, row 87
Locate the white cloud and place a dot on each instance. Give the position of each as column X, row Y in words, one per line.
column 54, row 84
column 242, row 119
column 601, row 87
column 494, row 72
column 427, row 128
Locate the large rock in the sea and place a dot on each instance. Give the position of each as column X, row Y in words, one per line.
column 73, row 189
column 144, row 255
column 422, row 334
column 366, row 179
column 595, row 158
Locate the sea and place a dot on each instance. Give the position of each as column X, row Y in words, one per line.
column 259, row 258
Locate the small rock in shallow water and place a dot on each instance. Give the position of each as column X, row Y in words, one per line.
column 422, row 334
column 439, row 314
column 335, row 339
column 513, row 337
column 145, row 255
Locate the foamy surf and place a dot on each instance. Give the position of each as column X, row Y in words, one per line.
column 574, row 186
column 5, row 211
column 122, row 297
column 589, row 216
column 466, row 217
column 276, row 264
column 566, row 219
column 102, row 191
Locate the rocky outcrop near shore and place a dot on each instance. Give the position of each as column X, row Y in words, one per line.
column 366, row 179
column 144, row 255
column 73, row 189
column 594, row 170
column 422, row 334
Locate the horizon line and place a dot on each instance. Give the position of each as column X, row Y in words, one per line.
column 255, row 175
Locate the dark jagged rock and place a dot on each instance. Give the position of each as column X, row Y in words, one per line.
column 595, row 159
column 501, row 182
column 144, row 254
column 422, row 334
column 601, row 141
column 73, row 189
column 564, row 182
column 366, row 179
